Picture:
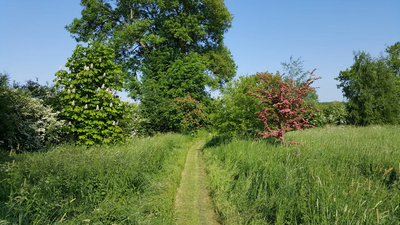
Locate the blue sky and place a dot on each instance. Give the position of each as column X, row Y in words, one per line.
column 264, row 33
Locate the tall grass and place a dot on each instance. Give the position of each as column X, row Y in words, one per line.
column 340, row 175
column 126, row 184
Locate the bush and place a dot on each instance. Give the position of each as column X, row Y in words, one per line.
column 233, row 112
column 27, row 123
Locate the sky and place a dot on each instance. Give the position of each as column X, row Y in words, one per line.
column 264, row 33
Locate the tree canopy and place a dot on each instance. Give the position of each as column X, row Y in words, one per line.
column 153, row 37
column 370, row 89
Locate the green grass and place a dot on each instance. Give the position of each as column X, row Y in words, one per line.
column 126, row 184
column 336, row 177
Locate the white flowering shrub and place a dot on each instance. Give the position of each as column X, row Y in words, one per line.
column 27, row 122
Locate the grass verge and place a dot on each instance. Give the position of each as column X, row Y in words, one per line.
column 129, row 184
column 340, row 175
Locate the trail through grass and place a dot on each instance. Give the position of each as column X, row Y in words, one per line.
column 192, row 203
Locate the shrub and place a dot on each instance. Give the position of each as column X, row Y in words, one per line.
column 27, row 123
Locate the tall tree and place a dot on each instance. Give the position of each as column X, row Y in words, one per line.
column 150, row 35
column 370, row 89
column 394, row 62
column 167, row 48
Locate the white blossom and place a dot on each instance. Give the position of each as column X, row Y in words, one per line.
column 69, row 123
column 59, row 78
column 85, row 106
column 69, row 91
column 119, row 97
column 70, row 86
column 91, row 65
column 98, row 89
column 113, row 123
column 102, row 86
column 73, row 90
column 101, row 109
column 63, row 89
column 107, row 89
column 77, row 76
column 104, row 74
column 110, row 104
column 86, row 96
column 97, row 107
column 100, row 59
column 128, row 100
column 73, row 102
column 116, row 123
column 60, row 67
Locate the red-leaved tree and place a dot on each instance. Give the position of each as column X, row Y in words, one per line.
column 283, row 104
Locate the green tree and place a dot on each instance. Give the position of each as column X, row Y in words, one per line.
column 88, row 97
column 294, row 70
column 149, row 36
column 172, row 47
column 371, row 92
column 394, row 62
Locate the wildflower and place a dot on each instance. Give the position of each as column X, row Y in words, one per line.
column 101, row 109
column 97, row 107
column 113, row 123
column 104, row 74
column 91, row 65
column 70, row 86
column 60, row 67
column 110, row 104
column 69, row 91
column 73, row 102
column 102, row 86
column 73, row 90
column 69, row 123
column 100, row 59
column 85, row 106
column 98, row 89
column 116, row 123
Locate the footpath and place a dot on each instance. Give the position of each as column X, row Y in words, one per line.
column 192, row 203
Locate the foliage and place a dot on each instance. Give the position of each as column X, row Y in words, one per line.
column 233, row 111
column 88, row 96
column 122, row 184
column 284, row 103
column 176, row 47
column 394, row 62
column 190, row 122
column 150, row 35
column 342, row 175
column 47, row 93
column 335, row 113
column 294, row 70
column 133, row 125
column 26, row 124
column 369, row 86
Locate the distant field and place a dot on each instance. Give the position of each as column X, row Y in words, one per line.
column 126, row 184
column 340, row 175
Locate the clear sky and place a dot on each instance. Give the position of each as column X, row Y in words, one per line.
column 264, row 33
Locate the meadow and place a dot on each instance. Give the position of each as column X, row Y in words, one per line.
column 124, row 184
column 339, row 175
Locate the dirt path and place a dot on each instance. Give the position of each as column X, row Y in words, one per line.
column 192, row 202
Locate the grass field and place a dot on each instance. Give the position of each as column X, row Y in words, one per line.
column 129, row 184
column 340, row 175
